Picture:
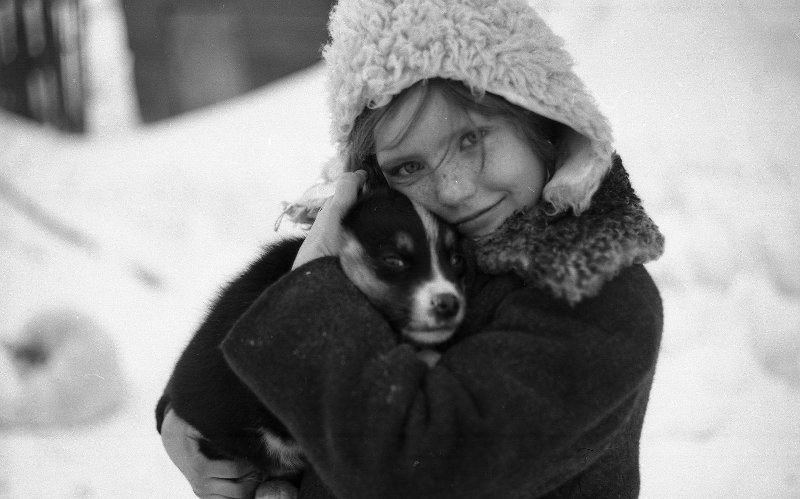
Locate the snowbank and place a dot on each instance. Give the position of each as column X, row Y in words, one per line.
column 704, row 100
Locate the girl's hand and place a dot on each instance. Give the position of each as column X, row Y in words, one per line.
column 208, row 477
column 324, row 236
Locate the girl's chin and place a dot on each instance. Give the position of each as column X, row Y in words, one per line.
column 475, row 231
column 485, row 224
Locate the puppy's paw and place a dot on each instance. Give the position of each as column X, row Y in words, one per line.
column 429, row 357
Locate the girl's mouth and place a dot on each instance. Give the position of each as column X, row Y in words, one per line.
column 475, row 223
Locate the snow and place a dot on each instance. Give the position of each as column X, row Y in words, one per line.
column 704, row 99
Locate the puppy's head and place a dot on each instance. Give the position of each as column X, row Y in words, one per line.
column 408, row 263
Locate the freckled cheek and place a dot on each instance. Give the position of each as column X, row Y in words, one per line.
column 522, row 175
column 528, row 197
column 423, row 192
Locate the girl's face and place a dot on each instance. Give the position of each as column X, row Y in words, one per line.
column 472, row 170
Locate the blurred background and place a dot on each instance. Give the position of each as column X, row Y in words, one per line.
column 146, row 147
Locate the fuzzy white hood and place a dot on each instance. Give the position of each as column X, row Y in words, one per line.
column 379, row 48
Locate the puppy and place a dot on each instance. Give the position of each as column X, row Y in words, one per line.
column 409, row 265
column 406, row 261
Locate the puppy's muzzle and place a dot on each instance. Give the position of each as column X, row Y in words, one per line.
column 445, row 306
column 436, row 318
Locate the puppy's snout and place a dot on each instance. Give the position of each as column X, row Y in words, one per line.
column 446, row 305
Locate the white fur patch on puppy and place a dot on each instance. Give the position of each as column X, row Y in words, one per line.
column 284, row 451
column 426, row 325
column 355, row 264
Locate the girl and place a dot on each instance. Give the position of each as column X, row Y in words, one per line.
column 470, row 108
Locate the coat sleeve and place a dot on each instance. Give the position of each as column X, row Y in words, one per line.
column 522, row 404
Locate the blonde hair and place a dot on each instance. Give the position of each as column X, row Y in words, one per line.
column 542, row 133
column 379, row 48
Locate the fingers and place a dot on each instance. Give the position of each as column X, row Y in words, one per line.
column 207, row 477
column 224, row 478
column 346, row 191
column 348, row 184
column 234, row 487
column 218, row 487
column 181, row 442
column 324, row 237
column 231, row 470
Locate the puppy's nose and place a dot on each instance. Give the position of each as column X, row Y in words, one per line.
column 445, row 305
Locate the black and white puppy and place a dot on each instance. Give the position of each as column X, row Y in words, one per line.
column 406, row 261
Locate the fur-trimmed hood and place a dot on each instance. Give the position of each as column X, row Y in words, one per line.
column 574, row 256
column 379, row 48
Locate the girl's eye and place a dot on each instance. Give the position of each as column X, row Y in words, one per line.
column 407, row 169
column 471, row 138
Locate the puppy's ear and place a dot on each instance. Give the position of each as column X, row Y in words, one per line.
column 375, row 179
column 468, row 251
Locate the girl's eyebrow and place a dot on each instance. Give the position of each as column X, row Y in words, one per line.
column 391, row 163
column 443, row 141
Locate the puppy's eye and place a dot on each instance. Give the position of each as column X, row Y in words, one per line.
column 394, row 262
column 456, row 260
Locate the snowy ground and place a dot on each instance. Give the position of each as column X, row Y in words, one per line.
column 704, row 99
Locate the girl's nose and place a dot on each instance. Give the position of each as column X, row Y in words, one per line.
column 454, row 184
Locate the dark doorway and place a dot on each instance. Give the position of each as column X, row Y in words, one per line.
column 192, row 53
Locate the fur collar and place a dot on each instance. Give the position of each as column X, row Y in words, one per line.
column 574, row 256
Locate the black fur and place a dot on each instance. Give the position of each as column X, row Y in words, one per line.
column 208, row 395
column 388, row 214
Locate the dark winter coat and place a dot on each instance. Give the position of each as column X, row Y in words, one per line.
column 544, row 394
